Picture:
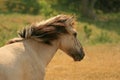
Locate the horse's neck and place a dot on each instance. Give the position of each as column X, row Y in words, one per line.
column 43, row 51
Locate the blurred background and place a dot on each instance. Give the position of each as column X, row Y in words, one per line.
column 98, row 26
column 98, row 21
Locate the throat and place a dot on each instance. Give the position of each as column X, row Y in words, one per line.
column 43, row 52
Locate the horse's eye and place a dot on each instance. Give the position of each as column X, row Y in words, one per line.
column 75, row 34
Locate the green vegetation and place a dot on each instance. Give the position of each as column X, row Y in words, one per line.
column 87, row 32
column 11, row 23
column 20, row 6
column 103, row 37
column 97, row 32
column 104, row 28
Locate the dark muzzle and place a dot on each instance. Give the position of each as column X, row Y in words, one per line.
column 78, row 56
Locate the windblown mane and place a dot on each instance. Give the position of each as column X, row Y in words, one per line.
column 46, row 31
column 14, row 40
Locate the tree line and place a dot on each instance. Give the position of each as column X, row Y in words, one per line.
column 87, row 8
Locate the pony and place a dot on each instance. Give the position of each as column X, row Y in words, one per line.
column 26, row 57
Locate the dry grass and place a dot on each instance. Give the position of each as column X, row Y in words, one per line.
column 102, row 62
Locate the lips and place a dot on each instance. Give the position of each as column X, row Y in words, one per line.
column 78, row 57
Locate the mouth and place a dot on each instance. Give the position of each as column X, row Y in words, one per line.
column 78, row 57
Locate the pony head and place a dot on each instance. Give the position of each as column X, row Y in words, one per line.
column 59, row 28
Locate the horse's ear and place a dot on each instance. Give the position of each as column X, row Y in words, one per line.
column 69, row 20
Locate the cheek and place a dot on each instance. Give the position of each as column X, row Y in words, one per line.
column 68, row 42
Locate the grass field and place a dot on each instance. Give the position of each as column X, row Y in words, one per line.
column 102, row 62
